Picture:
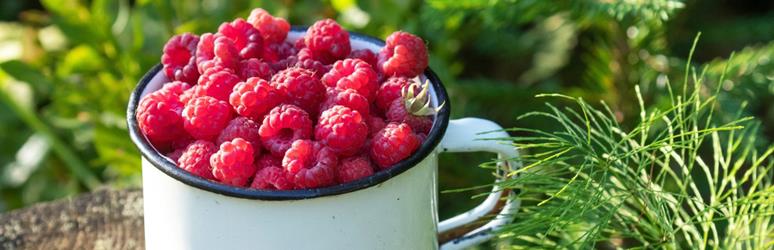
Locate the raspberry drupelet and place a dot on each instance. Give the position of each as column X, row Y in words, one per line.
column 273, row 29
column 179, row 58
column 196, row 158
column 403, row 55
column 392, row 144
column 247, row 39
column 354, row 168
column 310, row 164
column 233, row 164
column 342, row 129
column 352, row 74
column 328, row 41
column 205, row 117
column 282, row 126
column 254, row 98
column 301, row 88
column 159, row 116
column 397, row 112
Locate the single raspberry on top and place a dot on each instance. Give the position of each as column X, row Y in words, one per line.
column 247, row 39
column 366, row 55
column 217, row 82
column 403, row 55
column 342, row 129
column 414, row 108
column 354, row 168
column 348, row 98
column 390, row 90
column 233, row 163
column 216, row 50
column 310, row 164
column 300, row 87
column 254, row 98
column 352, row 74
column 283, row 125
column 196, row 158
column 159, row 118
column 328, row 41
column 397, row 112
column 273, row 29
column 254, row 67
column 392, row 144
column 205, row 117
column 241, row 127
column 179, row 58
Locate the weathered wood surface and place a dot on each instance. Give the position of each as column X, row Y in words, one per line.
column 105, row 219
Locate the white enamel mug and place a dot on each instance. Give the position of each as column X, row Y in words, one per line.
column 392, row 209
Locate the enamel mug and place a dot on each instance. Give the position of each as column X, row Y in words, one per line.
column 392, row 209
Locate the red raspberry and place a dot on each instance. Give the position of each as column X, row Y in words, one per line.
column 273, row 29
column 283, row 125
column 268, row 160
column 403, row 55
column 189, row 94
column 300, row 44
column 175, row 155
column 310, row 164
column 277, row 52
column 241, row 127
column 366, row 55
column 342, row 129
column 348, row 98
column 354, row 168
column 328, row 41
column 301, row 87
column 247, row 39
column 216, row 50
column 272, row 178
column 352, row 74
column 179, row 60
column 392, row 144
column 217, row 82
column 391, row 90
column 397, row 113
column 204, row 117
column 159, row 118
column 375, row 124
column 182, row 142
column 254, row 98
column 307, row 61
column 175, row 88
column 196, row 158
column 233, row 163
column 254, row 67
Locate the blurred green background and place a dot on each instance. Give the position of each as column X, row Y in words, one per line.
column 67, row 68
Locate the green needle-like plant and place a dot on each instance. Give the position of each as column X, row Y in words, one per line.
column 677, row 180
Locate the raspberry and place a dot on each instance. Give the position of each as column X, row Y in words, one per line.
column 244, row 128
column 354, row 168
column 175, row 155
column 300, row 44
column 178, row 58
column 277, row 52
column 301, row 87
column 196, row 158
column 159, row 118
column 397, row 113
column 272, row 178
column 307, row 61
column 348, row 98
column 403, row 55
column 182, row 142
column 176, row 87
column 391, row 90
column 254, row 98
column 273, row 29
column 216, row 50
column 352, row 74
column 310, row 164
column 375, row 124
column 392, row 144
column 268, row 160
column 283, row 125
column 189, row 94
column 247, row 39
column 342, row 129
column 254, row 67
column 366, row 55
column 233, row 163
column 328, row 41
column 204, row 117
column 217, row 82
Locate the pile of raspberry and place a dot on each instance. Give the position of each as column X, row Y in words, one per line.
column 247, row 107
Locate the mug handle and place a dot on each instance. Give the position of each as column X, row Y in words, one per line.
column 465, row 135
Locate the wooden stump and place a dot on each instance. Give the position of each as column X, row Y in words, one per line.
column 105, row 219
